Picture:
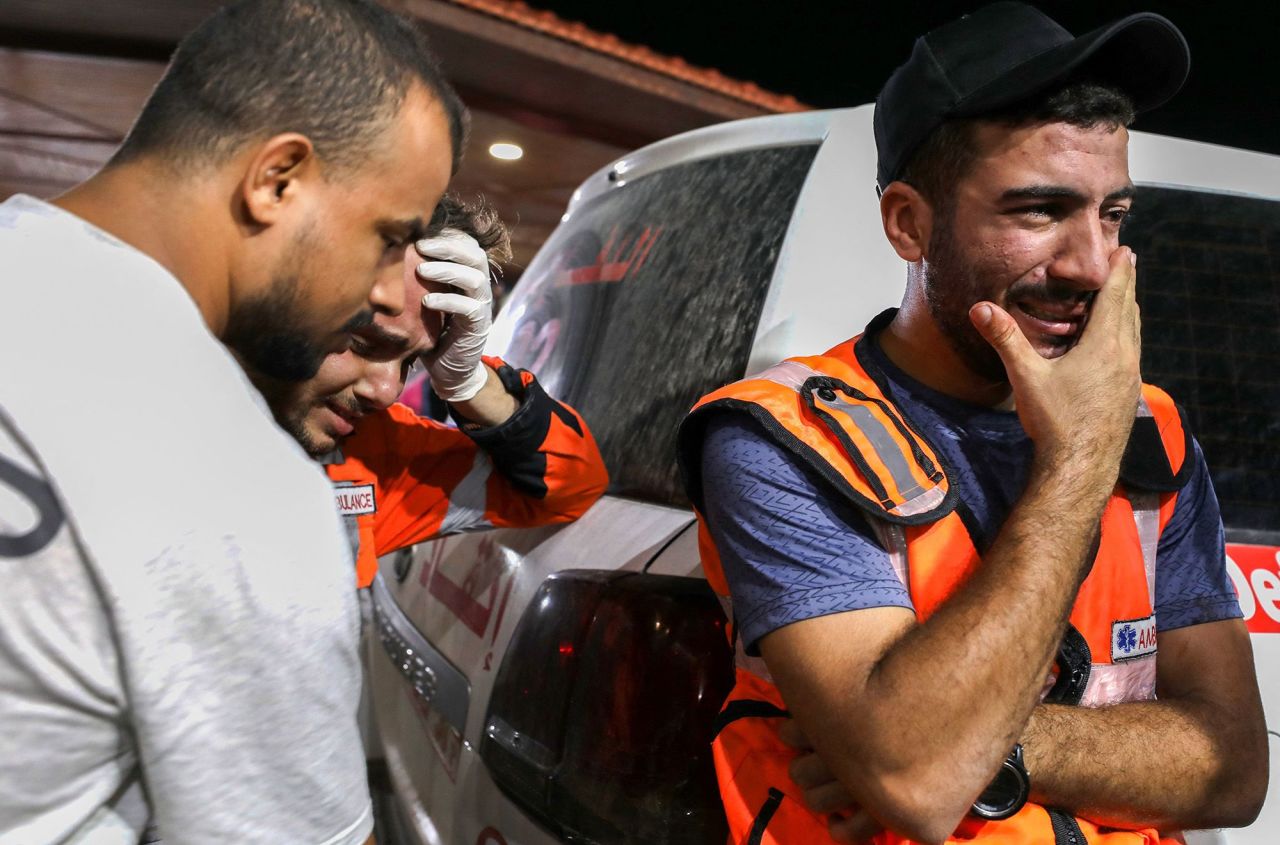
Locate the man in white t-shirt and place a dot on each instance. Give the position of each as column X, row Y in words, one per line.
column 178, row 626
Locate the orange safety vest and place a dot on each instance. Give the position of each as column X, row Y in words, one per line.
column 831, row 411
column 400, row 479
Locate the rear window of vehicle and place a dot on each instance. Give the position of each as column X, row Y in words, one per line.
column 1209, row 288
column 649, row 296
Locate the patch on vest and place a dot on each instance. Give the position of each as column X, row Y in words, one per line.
column 355, row 501
column 1131, row 638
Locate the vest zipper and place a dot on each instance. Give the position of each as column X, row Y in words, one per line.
column 1074, row 666
column 1065, row 829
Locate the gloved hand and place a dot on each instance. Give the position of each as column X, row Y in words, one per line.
column 455, row 259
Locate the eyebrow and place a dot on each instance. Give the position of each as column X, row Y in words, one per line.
column 385, row 339
column 1059, row 192
column 411, row 230
column 1125, row 193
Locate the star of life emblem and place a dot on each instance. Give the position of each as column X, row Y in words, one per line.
column 1133, row 638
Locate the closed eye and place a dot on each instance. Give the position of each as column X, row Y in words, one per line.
column 1038, row 211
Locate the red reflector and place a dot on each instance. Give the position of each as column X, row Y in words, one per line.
column 566, row 649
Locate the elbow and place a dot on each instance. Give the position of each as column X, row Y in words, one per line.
column 1244, row 786
column 1236, row 794
column 593, row 487
column 1241, row 799
column 571, row 503
column 920, row 807
column 570, row 493
column 929, row 832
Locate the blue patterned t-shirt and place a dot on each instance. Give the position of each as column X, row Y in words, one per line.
column 793, row 550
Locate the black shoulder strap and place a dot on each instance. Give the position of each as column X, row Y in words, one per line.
column 1145, row 465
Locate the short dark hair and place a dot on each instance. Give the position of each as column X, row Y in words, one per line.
column 944, row 157
column 335, row 71
column 478, row 219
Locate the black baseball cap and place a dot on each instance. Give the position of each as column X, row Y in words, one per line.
column 1004, row 53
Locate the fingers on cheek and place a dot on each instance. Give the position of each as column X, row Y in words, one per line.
column 432, row 286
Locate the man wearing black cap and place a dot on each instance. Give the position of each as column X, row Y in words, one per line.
column 982, row 562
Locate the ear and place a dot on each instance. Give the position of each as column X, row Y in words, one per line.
column 277, row 171
column 908, row 220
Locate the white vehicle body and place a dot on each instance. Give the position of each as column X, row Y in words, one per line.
column 832, row 272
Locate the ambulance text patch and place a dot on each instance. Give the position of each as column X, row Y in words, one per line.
column 354, row 501
column 1132, row 638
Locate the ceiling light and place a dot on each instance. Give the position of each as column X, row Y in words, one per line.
column 505, row 151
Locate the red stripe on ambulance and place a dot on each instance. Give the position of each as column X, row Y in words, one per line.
column 1255, row 572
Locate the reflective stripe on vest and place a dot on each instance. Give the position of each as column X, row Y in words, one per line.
column 1108, row 682
column 468, row 499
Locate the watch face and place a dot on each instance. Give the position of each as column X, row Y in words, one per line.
column 1005, row 796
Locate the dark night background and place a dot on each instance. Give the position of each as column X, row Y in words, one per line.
column 830, row 55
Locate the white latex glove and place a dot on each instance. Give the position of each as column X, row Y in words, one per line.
column 455, row 259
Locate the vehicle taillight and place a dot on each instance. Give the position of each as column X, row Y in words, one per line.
column 599, row 723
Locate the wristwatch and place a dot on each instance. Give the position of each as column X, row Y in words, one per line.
column 1007, row 792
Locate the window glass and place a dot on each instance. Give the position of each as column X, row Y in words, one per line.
column 649, row 296
column 1209, row 288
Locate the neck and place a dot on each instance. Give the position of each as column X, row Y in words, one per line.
column 916, row 345
column 173, row 220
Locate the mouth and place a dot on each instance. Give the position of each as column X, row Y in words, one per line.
column 1055, row 320
column 341, row 421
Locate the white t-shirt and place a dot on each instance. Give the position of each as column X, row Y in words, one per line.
column 178, row 619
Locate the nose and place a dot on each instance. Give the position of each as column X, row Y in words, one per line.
column 379, row 386
column 387, row 296
column 1084, row 247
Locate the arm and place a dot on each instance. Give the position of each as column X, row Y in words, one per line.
column 236, row 743
column 546, row 467
column 549, row 469
column 914, row 719
column 430, row 479
column 1194, row 758
column 492, row 406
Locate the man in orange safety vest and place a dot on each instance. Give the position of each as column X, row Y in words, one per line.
column 953, row 543
column 516, row 458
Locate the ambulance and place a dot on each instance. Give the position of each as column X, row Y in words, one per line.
column 559, row 684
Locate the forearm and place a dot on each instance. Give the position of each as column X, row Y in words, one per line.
column 1195, row 757
column 943, row 705
column 492, row 406
column 548, row 468
column 1165, row 764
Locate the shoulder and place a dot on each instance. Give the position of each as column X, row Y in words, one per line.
column 1159, row 457
column 398, row 433
column 735, row 438
column 163, row 437
column 745, row 471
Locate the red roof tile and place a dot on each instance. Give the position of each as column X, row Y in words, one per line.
column 551, row 24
